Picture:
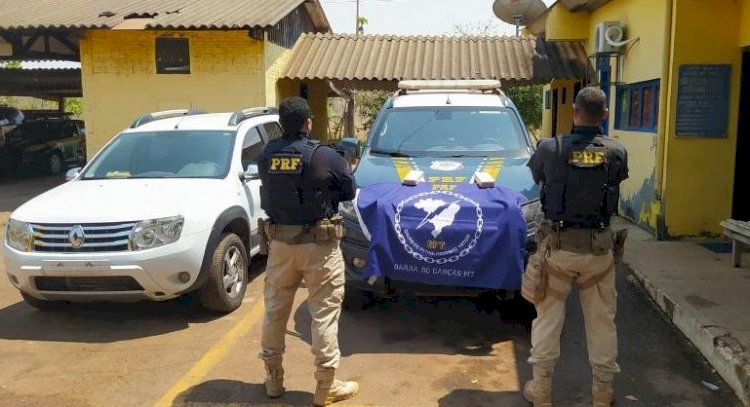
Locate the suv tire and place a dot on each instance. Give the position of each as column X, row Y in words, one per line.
column 225, row 287
column 55, row 163
column 41, row 305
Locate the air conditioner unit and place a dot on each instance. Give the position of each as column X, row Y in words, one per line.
column 609, row 37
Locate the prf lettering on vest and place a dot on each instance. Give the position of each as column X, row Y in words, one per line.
column 285, row 164
column 587, row 158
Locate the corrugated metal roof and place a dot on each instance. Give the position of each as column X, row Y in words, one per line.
column 366, row 57
column 167, row 14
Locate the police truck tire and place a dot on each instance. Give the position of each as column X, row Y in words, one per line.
column 225, row 286
column 41, row 305
column 358, row 300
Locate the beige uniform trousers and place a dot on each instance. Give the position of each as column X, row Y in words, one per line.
column 321, row 266
column 599, row 304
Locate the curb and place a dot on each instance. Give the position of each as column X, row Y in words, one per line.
column 724, row 352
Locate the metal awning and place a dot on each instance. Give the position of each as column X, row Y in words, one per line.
column 391, row 58
column 158, row 14
column 42, row 83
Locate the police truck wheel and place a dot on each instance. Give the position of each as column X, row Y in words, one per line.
column 227, row 277
column 358, row 300
column 41, row 305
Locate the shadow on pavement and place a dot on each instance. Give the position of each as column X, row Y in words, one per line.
column 435, row 326
column 100, row 322
column 477, row 398
column 105, row 322
column 236, row 393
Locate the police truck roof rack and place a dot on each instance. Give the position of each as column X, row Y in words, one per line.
column 241, row 115
column 166, row 114
column 481, row 85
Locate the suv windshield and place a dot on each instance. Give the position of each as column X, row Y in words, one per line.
column 449, row 131
column 165, row 154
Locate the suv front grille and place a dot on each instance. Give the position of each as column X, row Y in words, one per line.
column 98, row 237
column 124, row 283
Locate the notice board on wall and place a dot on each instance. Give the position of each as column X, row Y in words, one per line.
column 703, row 100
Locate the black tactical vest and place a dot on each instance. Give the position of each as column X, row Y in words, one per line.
column 289, row 194
column 583, row 189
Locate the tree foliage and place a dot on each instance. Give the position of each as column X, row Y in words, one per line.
column 369, row 103
column 74, row 106
column 10, row 64
column 528, row 99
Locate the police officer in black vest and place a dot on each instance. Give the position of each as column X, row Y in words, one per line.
column 303, row 183
column 580, row 176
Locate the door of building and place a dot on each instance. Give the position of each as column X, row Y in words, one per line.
column 554, row 112
column 741, row 204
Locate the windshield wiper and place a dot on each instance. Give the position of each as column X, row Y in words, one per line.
column 390, row 153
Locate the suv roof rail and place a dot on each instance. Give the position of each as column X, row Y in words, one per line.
column 456, row 84
column 165, row 114
column 241, row 115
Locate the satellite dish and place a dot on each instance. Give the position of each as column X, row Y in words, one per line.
column 518, row 12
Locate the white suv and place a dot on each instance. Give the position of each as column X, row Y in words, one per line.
column 169, row 206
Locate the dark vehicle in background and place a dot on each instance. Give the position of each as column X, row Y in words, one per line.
column 48, row 142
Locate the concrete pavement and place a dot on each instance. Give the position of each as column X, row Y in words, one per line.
column 408, row 353
column 704, row 296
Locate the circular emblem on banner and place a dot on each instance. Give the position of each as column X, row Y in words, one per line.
column 432, row 226
column 446, row 165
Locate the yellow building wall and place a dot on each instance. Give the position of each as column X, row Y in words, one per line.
column 275, row 59
column 564, row 25
column 120, row 80
column 699, row 173
column 644, row 61
column 564, row 107
column 745, row 24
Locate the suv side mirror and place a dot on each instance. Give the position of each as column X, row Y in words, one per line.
column 72, row 173
column 351, row 146
column 251, row 173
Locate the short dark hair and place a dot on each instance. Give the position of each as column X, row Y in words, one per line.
column 293, row 112
column 592, row 102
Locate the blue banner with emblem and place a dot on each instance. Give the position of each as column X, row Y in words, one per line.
column 466, row 237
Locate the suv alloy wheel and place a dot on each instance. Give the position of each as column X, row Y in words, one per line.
column 55, row 164
column 225, row 287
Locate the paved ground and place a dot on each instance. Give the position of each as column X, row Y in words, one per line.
column 404, row 354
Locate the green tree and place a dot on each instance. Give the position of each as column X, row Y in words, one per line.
column 369, row 103
column 361, row 23
column 10, row 64
column 74, row 106
column 528, row 99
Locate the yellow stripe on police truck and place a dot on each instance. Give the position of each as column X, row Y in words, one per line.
column 493, row 166
column 403, row 167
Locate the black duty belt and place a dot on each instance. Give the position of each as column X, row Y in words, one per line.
column 566, row 224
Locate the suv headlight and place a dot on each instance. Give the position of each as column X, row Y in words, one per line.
column 156, row 232
column 19, row 235
column 532, row 215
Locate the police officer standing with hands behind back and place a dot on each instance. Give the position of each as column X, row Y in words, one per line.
column 580, row 176
column 302, row 185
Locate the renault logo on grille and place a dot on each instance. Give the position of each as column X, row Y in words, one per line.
column 76, row 237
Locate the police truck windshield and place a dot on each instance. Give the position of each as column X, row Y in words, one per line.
column 449, row 131
column 165, row 154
